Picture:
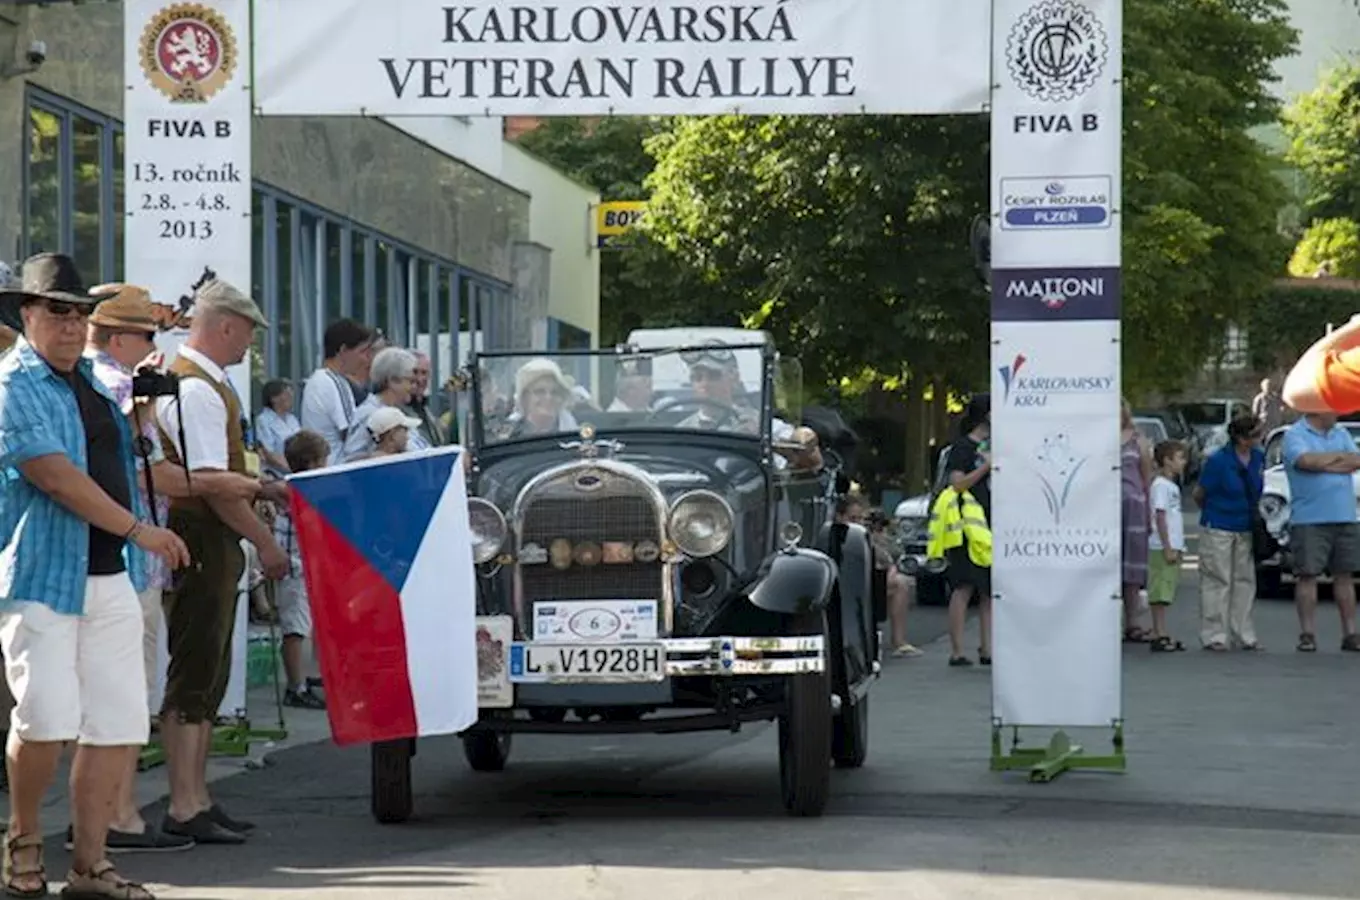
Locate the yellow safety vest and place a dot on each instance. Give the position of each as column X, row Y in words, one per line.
column 954, row 517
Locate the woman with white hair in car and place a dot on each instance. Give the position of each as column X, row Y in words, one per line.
column 392, row 380
column 542, row 394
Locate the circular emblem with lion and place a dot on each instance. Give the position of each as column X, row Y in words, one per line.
column 188, row 52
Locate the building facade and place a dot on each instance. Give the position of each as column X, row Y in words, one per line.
column 436, row 230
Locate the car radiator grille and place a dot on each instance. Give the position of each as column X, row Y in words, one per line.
column 610, row 517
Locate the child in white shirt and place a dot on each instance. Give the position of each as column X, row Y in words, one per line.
column 1166, row 541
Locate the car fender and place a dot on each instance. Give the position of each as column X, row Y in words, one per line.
column 794, row 582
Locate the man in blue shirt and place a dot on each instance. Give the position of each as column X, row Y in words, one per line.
column 1320, row 458
column 70, row 569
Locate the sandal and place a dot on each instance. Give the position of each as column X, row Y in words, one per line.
column 1351, row 643
column 1136, row 635
column 1166, row 644
column 1307, row 643
column 1254, row 647
column 14, row 873
column 1216, row 647
column 102, row 883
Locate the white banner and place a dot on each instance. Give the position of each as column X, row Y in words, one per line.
column 1055, row 255
column 186, row 122
column 661, row 57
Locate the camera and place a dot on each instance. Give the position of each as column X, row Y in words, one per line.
column 37, row 53
column 152, row 383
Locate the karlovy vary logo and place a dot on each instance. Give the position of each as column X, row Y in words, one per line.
column 1057, row 50
column 188, row 52
column 1035, row 390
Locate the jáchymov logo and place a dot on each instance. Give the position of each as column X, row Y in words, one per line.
column 1054, row 291
column 1059, row 545
column 1056, row 50
column 1023, row 386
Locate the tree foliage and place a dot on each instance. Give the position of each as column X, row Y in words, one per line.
column 1328, row 247
column 1323, row 126
column 1290, row 317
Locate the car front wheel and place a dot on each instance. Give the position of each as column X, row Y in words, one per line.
column 391, row 797
column 805, row 736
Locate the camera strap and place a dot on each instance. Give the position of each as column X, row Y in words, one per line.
column 143, row 445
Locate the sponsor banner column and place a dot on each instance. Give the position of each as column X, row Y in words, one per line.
column 1056, row 118
column 186, row 170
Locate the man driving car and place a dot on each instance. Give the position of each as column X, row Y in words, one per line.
column 723, row 406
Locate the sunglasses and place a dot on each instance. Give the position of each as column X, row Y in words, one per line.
column 63, row 309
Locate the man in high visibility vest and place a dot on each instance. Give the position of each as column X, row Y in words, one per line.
column 969, row 465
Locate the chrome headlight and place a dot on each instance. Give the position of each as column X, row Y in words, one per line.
column 489, row 530
column 1274, row 511
column 701, row 523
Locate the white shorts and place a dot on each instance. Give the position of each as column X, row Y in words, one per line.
column 152, row 616
column 295, row 615
column 79, row 678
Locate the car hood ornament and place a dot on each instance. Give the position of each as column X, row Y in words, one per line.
column 589, row 447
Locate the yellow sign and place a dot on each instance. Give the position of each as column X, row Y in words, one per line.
column 615, row 218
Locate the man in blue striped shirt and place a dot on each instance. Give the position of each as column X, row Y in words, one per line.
column 70, row 569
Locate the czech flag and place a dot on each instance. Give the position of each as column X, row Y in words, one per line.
column 387, row 553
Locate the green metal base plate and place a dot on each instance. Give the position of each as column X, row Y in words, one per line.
column 228, row 740
column 1061, row 755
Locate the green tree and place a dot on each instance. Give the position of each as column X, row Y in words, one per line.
column 1323, row 126
column 1328, row 247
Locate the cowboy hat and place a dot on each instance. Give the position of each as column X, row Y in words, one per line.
column 46, row 276
column 131, row 308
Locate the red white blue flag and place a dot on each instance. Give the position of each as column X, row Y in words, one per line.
column 387, row 553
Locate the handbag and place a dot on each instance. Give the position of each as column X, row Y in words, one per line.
column 1263, row 544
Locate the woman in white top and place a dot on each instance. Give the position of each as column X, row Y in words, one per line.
column 393, row 379
column 275, row 425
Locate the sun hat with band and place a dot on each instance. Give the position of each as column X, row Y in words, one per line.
column 129, row 309
column 46, row 276
column 540, row 369
column 383, row 420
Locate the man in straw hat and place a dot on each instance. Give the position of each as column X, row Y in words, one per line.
column 70, row 623
column 122, row 335
column 200, row 611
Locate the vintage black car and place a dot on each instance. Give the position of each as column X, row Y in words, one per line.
column 659, row 568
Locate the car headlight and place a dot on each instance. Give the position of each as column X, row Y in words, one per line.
column 701, row 523
column 488, row 529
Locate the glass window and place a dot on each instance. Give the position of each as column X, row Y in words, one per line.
column 283, row 328
column 87, row 186
column 381, row 283
column 357, row 274
column 334, row 287
column 119, row 208
column 396, row 310
column 44, row 181
column 422, row 299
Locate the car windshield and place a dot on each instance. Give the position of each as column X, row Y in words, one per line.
column 709, row 387
column 1200, row 414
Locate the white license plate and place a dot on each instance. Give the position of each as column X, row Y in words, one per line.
column 541, row 663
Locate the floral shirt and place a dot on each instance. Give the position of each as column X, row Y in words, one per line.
column 118, row 379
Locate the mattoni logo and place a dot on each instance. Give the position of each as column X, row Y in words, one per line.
column 1036, row 389
column 1030, row 294
column 1057, row 50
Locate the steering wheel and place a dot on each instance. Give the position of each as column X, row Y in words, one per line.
column 728, row 411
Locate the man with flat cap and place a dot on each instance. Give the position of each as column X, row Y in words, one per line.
column 71, row 566
column 122, row 336
column 200, row 610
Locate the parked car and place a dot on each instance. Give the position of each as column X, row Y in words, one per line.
column 1274, row 509
column 1210, row 418
column 1152, row 430
column 645, row 573
column 1179, row 429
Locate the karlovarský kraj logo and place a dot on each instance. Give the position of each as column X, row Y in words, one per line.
column 1024, row 387
column 188, row 52
column 1057, row 50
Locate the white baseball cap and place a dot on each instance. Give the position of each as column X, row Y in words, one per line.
column 388, row 417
